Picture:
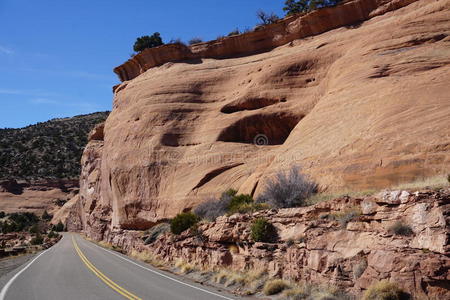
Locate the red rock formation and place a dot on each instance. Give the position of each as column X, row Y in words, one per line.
column 263, row 38
column 361, row 106
column 328, row 244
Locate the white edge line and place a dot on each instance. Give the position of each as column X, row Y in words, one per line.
column 10, row 282
column 160, row 274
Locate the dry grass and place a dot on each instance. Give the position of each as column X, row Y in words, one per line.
column 385, row 290
column 252, row 280
column 184, row 267
column 430, row 182
column 321, row 197
column 295, row 293
column 275, row 286
column 346, row 216
column 316, row 292
column 147, row 257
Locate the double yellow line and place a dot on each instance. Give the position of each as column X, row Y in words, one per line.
column 102, row 276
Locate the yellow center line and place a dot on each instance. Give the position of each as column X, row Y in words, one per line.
column 102, row 276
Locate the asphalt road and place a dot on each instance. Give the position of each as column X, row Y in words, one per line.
column 78, row 269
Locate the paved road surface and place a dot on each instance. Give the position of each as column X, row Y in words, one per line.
column 77, row 269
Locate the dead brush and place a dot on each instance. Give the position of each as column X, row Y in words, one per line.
column 184, row 267
column 147, row 257
column 251, row 279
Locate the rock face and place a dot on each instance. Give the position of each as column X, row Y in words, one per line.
column 365, row 105
column 35, row 196
column 337, row 242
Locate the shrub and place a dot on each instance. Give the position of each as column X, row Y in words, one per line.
column 184, row 266
column 273, row 287
column 399, row 228
column 213, row 208
column 266, row 18
column 195, row 40
column 46, row 216
column 234, row 32
column 288, row 190
column 251, row 207
column 238, row 201
column 298, row 6
column 147, row 41
column 183, row 222
column 228, row 203
column 385, row 290
column 37, row 240
column 359, row 268
column 263, row 231
column 58, row 227
column 344, row 217
column 156, row 231
column 177, row 41
column 2, row 214
column 52, row 235
column 34, row 229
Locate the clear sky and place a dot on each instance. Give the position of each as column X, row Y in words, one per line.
column 57, row 56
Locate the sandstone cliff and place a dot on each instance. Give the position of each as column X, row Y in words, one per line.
column 365, row 105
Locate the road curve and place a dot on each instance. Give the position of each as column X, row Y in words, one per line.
column 78, row 269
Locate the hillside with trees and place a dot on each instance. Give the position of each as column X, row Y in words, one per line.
column 48, row 150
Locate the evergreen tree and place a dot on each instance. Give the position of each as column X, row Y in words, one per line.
column 147, row 41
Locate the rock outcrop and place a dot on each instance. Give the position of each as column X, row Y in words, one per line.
column 263, row 38
column 361, row 106
column 348, row 242
column 36, row 196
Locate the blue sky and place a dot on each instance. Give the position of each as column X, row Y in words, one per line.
column 57, row 56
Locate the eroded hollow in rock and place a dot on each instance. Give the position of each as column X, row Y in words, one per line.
column 249, row 104
column 270, row 129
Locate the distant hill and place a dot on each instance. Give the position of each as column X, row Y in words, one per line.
column 48, row 150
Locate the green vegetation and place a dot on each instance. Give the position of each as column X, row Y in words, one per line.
column 58, row 227
column 301, row 6
column 37, row 240
column 275, row 286
column 385, row 290
column 345, row 216
column 228, row 203
column 399, row 228
column 195, row 40
column 2, row 214
column 435, row 182
column 239, row 201
column 148, row 41
column 46, row 216
column 19, row 222
column 183, row 222
column 49, row 150
column 263, row 231
column 52, row 235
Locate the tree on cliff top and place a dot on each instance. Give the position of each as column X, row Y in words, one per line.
column 147, row 41
column 298, row 6
column 266, row 18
